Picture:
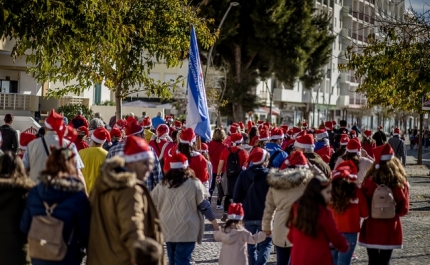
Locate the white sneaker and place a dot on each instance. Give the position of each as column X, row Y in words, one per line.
column 219, row 207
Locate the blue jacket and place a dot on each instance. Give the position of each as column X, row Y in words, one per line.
column 73, row 209
column 251, row 189
column 280, row 158
column 319, row 145
column 157, row 121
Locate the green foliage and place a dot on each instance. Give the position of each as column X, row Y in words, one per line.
column 107, row 103
column 259, row 39
column 70, row 111
column 116, row 42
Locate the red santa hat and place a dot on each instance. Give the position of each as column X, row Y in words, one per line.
column 254, row 141
column 101, row 135
column 321, row 133
column 263, row 135
column 162, row 132
column 235, row 212
column 304, row 124
column 204, row 148
column 296, row 131
column 115, row 132
column 136, row 149
column 333, row 123
column 300, row 134
column 260, row 122
column 250, row 124
column 396, row 131
column 380, row 127
column 289, row 133
column 24, row 139
column 344, row 139
column 131, row 119
column 236, row 139
column 54, row 121
column 297, row 159
column 121, row 124
column 83, row 130
column 241, row 126
column 285, row 128
column 169, row 118
column 69, row 133
column 328, row 125
column 267, row 124
column 276, row 134
column 368, row 133
column 133, row 128
column 382, row 153
column 353, row 133
column 177, row 124
column 146, row 123
column 258, row 156
column 187, row 136
column 178, row 161
column 305, row 142
column 347, row 170
column 233, row 129
column 353, row 146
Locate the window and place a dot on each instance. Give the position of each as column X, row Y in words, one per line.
column 337, row 112
column 97, row 94
column 335, row 22
column 8, row 86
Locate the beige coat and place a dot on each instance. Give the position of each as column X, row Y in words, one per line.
column 364, row 165
column 234, row 245
column 123, row 214
column 286, row 187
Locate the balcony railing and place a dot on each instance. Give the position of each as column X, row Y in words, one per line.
column 18, row 102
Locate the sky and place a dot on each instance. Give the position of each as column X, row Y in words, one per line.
column 418, row 5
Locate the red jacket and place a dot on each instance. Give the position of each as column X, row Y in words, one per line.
column 368, row 148
column 198, row 163
column 227, row 141
column 384, row 233
column 325, row 153
column 215, row 150
column 81, row 144
column 310, row 251
column 243, row 157
column 83, row 121
column 158, row 147
column 349, row 221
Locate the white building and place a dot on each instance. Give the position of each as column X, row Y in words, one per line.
column 335, row 97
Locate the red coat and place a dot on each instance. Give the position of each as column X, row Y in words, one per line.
column 227, row 141
column 198, row 163
column 158, row 147
column 81, row 144
column 384, row 233
column 325, row 153
column 310, row 251
column 285, row 144
column 215, row 150
column 368, row 148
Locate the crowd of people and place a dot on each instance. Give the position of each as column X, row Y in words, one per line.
column 129, row 194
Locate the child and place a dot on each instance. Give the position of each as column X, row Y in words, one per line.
column 235, row 237
column 312, row 227
column 348, row 204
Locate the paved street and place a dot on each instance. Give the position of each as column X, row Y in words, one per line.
column 416, row 224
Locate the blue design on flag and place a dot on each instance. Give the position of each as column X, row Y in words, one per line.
column 197, row 106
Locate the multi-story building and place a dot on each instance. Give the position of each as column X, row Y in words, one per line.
column 335, row 97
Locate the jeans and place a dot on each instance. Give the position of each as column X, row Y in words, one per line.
column 379, row 256
column 212, row 186
column 283, row 255
column 258, row 254
column 345, row 258
column 179, row 253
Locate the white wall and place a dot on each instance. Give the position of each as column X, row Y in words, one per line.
column 108, row 111
column 27, row 83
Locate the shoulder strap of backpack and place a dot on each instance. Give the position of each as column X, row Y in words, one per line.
column 45, row 146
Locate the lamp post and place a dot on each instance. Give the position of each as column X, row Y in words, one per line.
column 219, row 27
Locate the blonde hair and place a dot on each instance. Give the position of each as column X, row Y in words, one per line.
column 390, row 173
column 219, row 135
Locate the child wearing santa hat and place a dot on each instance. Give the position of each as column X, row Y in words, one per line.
column 235, row 238
column 367, row 143
column 382, row 236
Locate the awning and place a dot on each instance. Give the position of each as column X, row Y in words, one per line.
column 139, row 103
column 275, row 111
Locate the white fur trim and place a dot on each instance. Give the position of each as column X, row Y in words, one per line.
column 304, row 146
column 386, row 157
column 386, row 247
column 139, row 157
column 23, row 147
column 305, row 166
column 353, row 150
column 141, row 130
column 235, row 217
column 322, row 135
column 262, row 160
column 263, row 139
column 276, row 137
column 341, row 143
column 97, row 140
column 178, row 165
column 47, row 125
column 187, row 142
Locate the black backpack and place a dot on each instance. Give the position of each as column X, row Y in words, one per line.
column 272, row 157
column 233, row 167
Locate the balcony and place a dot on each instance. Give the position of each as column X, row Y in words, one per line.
column 342, row 101
column 345, row 78
column 19, row 102
column 287, row 95
column 347, row 33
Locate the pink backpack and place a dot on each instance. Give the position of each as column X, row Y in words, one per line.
column 383, row 203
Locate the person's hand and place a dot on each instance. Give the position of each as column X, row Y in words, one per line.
column 215, row 225
column 268, row 233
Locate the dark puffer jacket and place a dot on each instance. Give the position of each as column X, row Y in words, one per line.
column 13, row 243
column 73, row 209
column 10, row 138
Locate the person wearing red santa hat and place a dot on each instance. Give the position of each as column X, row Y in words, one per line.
column 250, row 125
column 398, row 145
column 348, row 206
column 251, row 190
column 367, row 143
column 81, row 140
column 79, row 120
column 382, row 236
column 379, row 136
column 121, row 181
column 216, row 147
column 234, row 128
column 277, row 155
column 94, row 156
column 24, row 139
column 147, row 125
column 186, row 146
column 121, row 124
column 134, row 129
column 344, row 139
column 116, row 137
column 322, row 145
column 37, row 151
column 232, row 160
column 306, row 144
column 259, row 141
column 162, row 142
column 352, row 134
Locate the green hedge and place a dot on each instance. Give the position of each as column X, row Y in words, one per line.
column 70, row 111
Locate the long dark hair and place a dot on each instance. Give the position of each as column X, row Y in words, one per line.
column 340, row 151
column 306, row 218
column 11, row 166
column 252, row 133
column 343, row 191
column 59, row 162
column 230, row 223
column 186, row 149
column 174, row 178
column 353, row 157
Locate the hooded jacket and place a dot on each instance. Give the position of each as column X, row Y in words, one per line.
column 234, row 245
column 72, row 208
column 317, row 161
column 10, row 138
column 286, row 187
column 13, row 243
column 123, row 213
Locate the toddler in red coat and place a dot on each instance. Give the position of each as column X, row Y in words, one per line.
column 312, row 227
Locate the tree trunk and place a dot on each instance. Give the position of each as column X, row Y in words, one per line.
column 238, row 112
column 420, row 141
column 118, row 101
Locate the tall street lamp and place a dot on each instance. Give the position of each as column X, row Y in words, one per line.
column 219, row 27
